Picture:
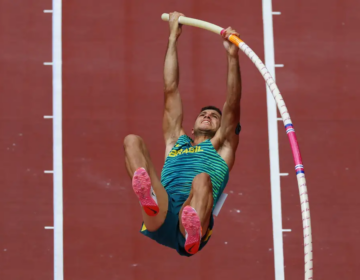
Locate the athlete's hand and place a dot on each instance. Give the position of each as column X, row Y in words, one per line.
column 230, row 47
column 175, row 27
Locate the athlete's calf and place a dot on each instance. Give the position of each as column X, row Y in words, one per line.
column 145, row 182
column 202, row 198
column 196, row 212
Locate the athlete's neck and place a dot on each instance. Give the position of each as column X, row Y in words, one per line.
column 202, row 136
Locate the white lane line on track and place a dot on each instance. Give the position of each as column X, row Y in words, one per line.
column 273, row 143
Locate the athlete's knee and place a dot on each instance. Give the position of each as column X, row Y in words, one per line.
column 202, row 183
column 132, row 140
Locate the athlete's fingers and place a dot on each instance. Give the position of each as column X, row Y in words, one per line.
column 175, row 15
column 174, row 19
column 230, row 31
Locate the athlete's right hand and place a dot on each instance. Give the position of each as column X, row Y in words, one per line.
column 175, row 27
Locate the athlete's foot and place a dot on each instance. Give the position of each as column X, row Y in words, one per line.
column 192, row 225
column 142, row 187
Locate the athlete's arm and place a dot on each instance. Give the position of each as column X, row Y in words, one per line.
column 228, row 133
column 231, row 109
column 173, row 113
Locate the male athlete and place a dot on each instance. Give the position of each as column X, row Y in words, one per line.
column 177, row 211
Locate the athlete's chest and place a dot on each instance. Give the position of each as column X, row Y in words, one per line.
column 187, row 150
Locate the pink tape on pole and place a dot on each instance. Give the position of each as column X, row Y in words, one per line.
column 299, row 168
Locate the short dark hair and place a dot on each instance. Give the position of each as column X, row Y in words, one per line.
column 211, row 108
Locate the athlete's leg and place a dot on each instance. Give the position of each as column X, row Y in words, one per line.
column 201, row 199
column 137, row 156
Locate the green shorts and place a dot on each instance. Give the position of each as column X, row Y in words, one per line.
column 169, row 233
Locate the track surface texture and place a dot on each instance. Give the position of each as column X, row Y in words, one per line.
column 113, row 55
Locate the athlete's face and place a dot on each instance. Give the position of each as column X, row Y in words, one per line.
column 208, row 121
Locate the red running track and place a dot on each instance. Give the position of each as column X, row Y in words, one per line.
column 113, row 54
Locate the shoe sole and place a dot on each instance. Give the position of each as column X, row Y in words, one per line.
column 141, row 184
column 192, row 225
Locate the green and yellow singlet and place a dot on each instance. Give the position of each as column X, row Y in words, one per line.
column 185, row 161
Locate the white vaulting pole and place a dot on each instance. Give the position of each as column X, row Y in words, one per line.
column 299, row 168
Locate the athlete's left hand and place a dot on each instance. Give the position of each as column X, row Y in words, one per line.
column 230, row 47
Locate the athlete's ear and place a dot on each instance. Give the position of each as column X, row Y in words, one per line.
column 192, row 131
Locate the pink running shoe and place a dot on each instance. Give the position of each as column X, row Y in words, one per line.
column 142, row 187
column 193, row 230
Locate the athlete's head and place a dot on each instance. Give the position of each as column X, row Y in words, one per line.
column 207, row 122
